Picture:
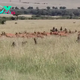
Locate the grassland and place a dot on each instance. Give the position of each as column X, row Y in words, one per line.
column 53, row 58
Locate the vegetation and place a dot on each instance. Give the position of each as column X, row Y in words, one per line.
column 54, row 11
column 53, row 58
column 2, row 21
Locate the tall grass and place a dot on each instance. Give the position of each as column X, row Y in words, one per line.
column 53, row 58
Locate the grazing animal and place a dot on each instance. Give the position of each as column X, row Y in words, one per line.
column 69, row 31
column 34, row 32
column 10, row 35
column 79, row 32
column 62, row 34
column 65, row 30
column 13, row 44
column 55, row 33
column 35, row 41
column 78, row 38
column 3, row 33
column 40, row 36
column 75, row 30
column 51, row 33
column 56, row 29
column 15, row 22
column 23, row 43
column 53, row 28
column 74, row 22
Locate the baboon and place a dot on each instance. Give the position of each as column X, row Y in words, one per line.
column 13, row 44
column 35, row 41
column 16, row 33
column 3, row 33
column 38, row 32
column 34, row 32
column 25, row 32
column 20, row 33
column 69, row 31
column 50, row 33
column 23, row 43
column 75, row 30
column 61, row 29
column 65, row 30
column 15, row 22
column 74, row 22
column 78, row 38
column 56, row 29
column 53, row 28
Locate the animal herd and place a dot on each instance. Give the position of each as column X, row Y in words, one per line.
column 54, row 31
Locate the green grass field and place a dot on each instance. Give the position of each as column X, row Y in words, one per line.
column 53, row 58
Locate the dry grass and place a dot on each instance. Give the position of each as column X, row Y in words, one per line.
column 10, row 15
column 53, row 58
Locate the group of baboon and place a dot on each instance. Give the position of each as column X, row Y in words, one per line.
column 61, row 30
column 23, row 43
column 66, row 31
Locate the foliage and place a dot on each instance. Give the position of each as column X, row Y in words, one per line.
column 2, row 21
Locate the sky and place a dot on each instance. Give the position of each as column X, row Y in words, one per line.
column 58, row 3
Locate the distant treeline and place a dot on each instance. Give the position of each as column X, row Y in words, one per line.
column 54, row 11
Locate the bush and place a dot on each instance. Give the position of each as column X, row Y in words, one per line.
column 2, row 21
column 22, row 18
column 12, row 18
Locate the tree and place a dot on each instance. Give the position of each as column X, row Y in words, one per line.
column 12, row 18
column 22, row 8
column 71, row 16
column 16, row 8
column 56, row 7
column 25, row 12
column 30, row 7
column 37, row 8
column 48, row 8
column 53, row 7
column 78, row 7
column 62, row 7
column 17, row 14
column 12, row 8
column 3, row 21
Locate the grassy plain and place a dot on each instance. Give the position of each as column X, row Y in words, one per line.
column 53, row 58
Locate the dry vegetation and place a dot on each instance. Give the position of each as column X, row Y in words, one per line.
column 53, row 58
column 10, row 15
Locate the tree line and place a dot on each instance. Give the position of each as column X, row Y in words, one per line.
column 54, row 11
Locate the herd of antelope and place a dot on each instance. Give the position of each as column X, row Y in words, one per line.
column 25, row 34
column 59, row 32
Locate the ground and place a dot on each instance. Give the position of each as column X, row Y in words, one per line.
column 53, row 58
